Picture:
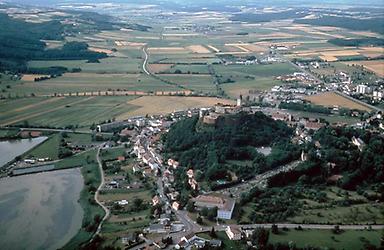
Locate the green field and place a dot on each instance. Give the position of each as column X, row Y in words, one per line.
column 198, row 83
column 61, row 112
column 4, row 133
column 348, row 240
column 111, row 65
column 243, row 85
column 49, row 148
column 86, row 82
column 112, row 154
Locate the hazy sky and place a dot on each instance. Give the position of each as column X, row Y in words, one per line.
column 371, row 3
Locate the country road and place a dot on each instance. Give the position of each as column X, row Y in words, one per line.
column 106, row 210
column 307, row 226
column 145, row 61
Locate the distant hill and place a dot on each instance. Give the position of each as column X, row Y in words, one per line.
column 369, row 24
column 21, row 41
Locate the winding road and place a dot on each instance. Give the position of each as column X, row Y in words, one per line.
column 106, row 210
column 145, row 61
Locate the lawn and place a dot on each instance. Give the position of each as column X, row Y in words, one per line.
column 80, row 139
column 49, row 148
column 128, row 194
column 123, row 228
column 350, row 239
column 112, row 153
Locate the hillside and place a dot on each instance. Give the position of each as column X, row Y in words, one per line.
column 230, row 145
column 22, row 41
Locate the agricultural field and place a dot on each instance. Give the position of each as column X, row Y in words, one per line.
column 154, row 105
column 64, row 111
column 375, row 66
column 84, row 111
column 331, row 99
column 198, row 83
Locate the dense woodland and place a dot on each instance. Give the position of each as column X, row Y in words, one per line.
column 305, row 107
column 21, row 41
column 268, row 17
column 230, row 146
column 336, row 155
column 356, row 42
column 371, row 24
column 211, row 151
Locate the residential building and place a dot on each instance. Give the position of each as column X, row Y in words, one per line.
column 233, row 232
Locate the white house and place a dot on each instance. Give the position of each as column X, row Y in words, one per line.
column 233, row 233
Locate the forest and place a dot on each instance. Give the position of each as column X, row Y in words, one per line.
column 216, row 150
column 21, row 41
column 356, row 42
column 268, row 17
column 338, row 156
column 331, row 153
column 371, row 24
column 305, row 107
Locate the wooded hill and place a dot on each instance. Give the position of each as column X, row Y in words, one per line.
column 21, row 41
column 213, row 148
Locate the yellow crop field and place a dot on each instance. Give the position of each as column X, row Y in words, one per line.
column 377, row 66
column 167, row 104
column 330, row 99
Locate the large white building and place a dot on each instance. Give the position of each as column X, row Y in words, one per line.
column 225, row 205
column 362, row 89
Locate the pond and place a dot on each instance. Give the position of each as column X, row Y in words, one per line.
column 40, row 211
column 12, row 148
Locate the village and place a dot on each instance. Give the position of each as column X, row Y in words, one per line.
column 171, row 219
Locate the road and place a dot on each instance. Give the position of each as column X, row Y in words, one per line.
column 145, row 61
column 304, row 226
column 259, row 180
column 106, row 210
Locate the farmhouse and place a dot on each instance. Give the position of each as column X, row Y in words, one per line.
column 155, row 200
column 358, row 142
column 224, row 205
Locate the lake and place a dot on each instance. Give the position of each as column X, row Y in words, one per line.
column 12, row 148
column 40, row 211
